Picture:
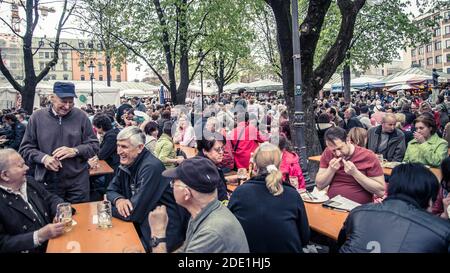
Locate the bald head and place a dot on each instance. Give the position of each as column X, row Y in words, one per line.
column 388, row 123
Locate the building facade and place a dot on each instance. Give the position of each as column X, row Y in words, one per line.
column 75, row 56
column 435, row 54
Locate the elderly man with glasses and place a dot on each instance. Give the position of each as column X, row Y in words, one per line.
column 139, row 187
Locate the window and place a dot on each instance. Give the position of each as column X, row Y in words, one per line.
column 65, row 66
column 82, row 77
column 420, row 63
column 437, row 45
column 437, row 32
column 100, row 77
column 448, row 70
column 41, row 55
column 65, row 77
column 64, row 55
column 438, row 59
column 447, row 44
column 447, row 29
column 413, row 53
column 41, row 65
column 80, row 44
column 52, row 55
column 81, row 66
column 53, row 68
column 53, row 77
column 13, row 66
column 47, row 55
column 421, row 50
column 118, row 77
column 429, row 47
column 448, row 58
column 430, row 61
column 100, row 67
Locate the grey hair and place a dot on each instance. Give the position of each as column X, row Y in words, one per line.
column 134, row 134
column 5, row 155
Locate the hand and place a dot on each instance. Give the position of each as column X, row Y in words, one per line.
column 419, row 137
column 50, row 231
column 179, row 160
column 124, row 207
column 3, row 140
column 349, row 167
column 64, row 152
column 52, row 164
column 335, row 164
column 158, row 219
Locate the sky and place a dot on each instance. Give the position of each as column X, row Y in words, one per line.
column 47, row 26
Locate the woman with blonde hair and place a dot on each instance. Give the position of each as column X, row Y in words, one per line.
column 266, row 200
column 357, row 136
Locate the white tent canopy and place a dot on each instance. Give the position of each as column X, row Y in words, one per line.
column 403, row 79
column 401, row 87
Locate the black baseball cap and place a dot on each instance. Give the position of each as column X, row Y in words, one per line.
column 198, row 173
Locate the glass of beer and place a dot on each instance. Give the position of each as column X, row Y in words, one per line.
column 64, row 215
column 241, row 175
column 104, row 212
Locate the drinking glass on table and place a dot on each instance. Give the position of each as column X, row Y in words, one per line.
column 64, row 215
column 104, row 213
column 241, row 175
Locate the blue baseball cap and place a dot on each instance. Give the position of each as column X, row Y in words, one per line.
column 64, row 89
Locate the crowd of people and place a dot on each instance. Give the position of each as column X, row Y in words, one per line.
column 181, row 204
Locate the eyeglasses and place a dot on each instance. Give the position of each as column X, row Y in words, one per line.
column 219, row 149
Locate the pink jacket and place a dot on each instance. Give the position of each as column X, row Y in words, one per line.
column 249, row 141
column 290, row 167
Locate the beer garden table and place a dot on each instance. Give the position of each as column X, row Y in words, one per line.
column 85, row 237
column 103, row 168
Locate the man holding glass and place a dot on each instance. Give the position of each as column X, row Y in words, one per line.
column 26, row 208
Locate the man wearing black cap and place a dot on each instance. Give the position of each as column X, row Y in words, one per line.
column 57, row 144
column 212, row 227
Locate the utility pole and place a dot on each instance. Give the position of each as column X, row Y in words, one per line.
column 299, row 115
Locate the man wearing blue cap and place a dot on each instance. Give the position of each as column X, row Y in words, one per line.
column 57, row 144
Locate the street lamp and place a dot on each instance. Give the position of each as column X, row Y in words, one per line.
column 200, row 55
column 91, row 72
column 299, row 115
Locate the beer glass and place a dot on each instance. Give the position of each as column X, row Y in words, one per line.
column 104, row 212
column 294, row 181
column 241, row 175
column 64, row 215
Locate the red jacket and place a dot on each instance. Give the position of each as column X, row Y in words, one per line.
column 248, row 142
column 290, row 167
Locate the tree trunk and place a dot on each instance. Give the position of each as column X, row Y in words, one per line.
column 108, row 70
column 347, row 84
column 28, row 92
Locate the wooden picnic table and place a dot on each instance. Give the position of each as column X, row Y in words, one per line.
column 103, row 168
column 85, row 237
column 189, row 151
column 325, row 221
column 388, row 171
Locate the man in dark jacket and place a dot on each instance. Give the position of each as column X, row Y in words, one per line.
column 387, row 140
column 26, row 208
column 17, row 129
column 108, row 152
column 350, row 120
column 401, row 223
column 139, row 187
column 58, row 142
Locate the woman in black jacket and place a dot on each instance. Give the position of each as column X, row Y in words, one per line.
column 271, row 212
column 401, row 223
